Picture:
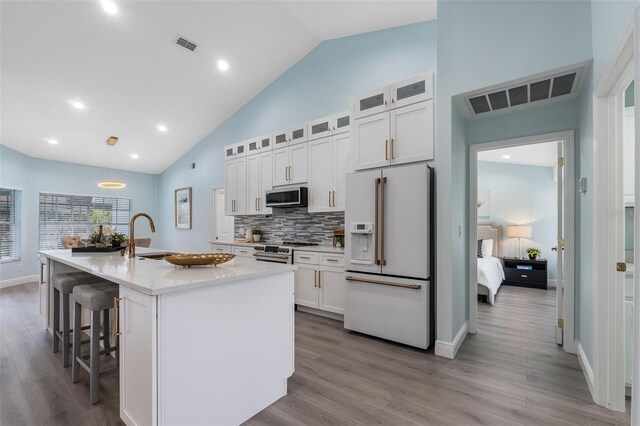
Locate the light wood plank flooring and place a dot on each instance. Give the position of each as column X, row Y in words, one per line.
column 511, row 372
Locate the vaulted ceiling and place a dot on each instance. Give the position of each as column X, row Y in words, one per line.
column 130, row 75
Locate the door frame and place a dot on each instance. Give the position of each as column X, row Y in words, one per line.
column 609, row 370
column 568, row 305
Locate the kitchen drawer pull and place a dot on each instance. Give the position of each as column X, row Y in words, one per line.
column 411, row 286
column 524, row 276
column 331, row 260
column 386, row 149
column 305, row 257
column 392, row 148
column 329, row 198
column 319, row 280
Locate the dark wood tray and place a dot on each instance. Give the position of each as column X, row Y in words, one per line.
column 94, row 249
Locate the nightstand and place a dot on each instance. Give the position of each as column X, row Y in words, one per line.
column 525, row 272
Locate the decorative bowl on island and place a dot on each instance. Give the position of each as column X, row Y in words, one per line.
column 198, row 259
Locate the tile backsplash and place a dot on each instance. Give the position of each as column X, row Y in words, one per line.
column 295, row 224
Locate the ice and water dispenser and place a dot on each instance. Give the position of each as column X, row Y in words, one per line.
column 362, row 243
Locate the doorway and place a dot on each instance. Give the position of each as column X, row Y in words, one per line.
column 223, row 225
column 519, row 227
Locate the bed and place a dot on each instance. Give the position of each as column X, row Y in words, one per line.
column 490, row 270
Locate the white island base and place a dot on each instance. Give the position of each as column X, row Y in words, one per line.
column 222, row 353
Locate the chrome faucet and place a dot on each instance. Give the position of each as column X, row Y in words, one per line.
column 132, row 243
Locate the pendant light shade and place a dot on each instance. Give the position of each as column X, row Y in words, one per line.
column 112, row 183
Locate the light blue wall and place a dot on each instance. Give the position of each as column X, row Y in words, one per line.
column 32, row 176
column 523, row 194
column 482, row 43
column 319, row 84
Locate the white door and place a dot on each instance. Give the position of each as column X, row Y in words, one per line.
column 241, row 190
column 281, row 166
column 411, row 90
column 560, row 284
column 266, row 177
column 253, row 184
column 404, row 218
column 230, row 185
column 320, row 175
column 374, row 102
column 331, row 284
column 222, row 223
column 306, row 286
column 340, row 161
column 371, row 141
column 412, row 133
column 298, row 165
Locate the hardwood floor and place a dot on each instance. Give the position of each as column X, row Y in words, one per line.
column 511, row 372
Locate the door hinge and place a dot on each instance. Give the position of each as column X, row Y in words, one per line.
column 560, row 323
column 561, row 162
column 561, row 243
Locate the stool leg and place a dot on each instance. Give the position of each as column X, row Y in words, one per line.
column 105, row 329
column 77, row 335
column 94, row 361
column 56, row 318
column 65, row 329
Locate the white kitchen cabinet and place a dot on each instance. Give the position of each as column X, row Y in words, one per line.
column 220, row 248
column 318, row 286
column 374, row 102
column 44, row 289
column 327, row 168
column 290, row 165
column 236, row 150
column 259, row 144
column 259, row 178
column 236, row 186
column 138, row 348
column 371, row 137
column 243, row 251
column 412, row 90
column 412, row 133
column 329, row 126
column 292, row 135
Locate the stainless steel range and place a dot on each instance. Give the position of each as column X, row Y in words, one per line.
column 278, row 252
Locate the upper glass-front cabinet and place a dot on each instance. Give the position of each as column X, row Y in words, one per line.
column 342, row 123
column 280, row 139
column 259, row 144
column 320, row 128
column 298, row 133
column 372, row 103
column 412, row 90
column 264, row 142
column 236, row 150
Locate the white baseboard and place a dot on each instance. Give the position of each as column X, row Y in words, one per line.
column 586, row 368
column 18, row 281
column 552, row 283
column 320, row 313
column 450, row 349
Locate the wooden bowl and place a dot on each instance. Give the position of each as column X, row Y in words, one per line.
column 198, row 259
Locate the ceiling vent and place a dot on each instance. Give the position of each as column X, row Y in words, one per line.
column 183, row 42
column 557, row 86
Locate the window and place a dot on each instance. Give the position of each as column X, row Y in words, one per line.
column 64, row 215
column 10, row 208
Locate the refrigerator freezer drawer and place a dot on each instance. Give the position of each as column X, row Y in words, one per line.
column 395, row 309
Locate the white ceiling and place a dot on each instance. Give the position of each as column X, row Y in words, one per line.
column 541, row 154
column 128, row 72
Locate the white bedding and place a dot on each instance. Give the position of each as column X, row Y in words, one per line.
column 490, row 275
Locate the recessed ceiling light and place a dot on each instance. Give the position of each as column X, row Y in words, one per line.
column 161, row 127
column 109, row 7
column 76, row 104
column 223, row 65
column 135, row 156
column 506, row 157
column 52, row 141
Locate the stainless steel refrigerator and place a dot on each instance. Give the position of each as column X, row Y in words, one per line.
column 388, row 253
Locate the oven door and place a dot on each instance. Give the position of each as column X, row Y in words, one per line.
column 272, row 257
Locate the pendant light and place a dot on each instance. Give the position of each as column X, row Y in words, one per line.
column 112, row 183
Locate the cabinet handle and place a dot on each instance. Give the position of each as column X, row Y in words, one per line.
column 386, row 149
column 329, row 198
column 331, row 260
column 305, row 257
column 319, row 279
column 259, row 203
column 290, row 167
column 116, row 320
column 256, row 203
column 42, row 281
column 524, row 276
column 383, row 182
column 393, row 101
column 334, row 198
column 385, row 103
column 392, row 148
column 315, row 279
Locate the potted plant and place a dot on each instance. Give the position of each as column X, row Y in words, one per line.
column 97, row 238
column 257, row 234
column 533, row 253
column 117, row 238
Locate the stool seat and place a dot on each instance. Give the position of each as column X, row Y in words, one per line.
column 96, row 296
column 66, row 282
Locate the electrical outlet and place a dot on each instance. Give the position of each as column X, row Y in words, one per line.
column 20, row 266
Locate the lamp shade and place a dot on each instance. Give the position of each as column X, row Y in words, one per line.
column 519, row 231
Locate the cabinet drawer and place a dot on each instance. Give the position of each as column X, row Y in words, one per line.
column 525, row 276
column 305, row 257
column 336, row 260
column 219, row 248
column 243, row 251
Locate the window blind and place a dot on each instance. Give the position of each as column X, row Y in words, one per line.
column 62, row 215
column 10, row 214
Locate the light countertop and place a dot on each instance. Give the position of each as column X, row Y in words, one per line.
column 154, row 277
column 322, row 248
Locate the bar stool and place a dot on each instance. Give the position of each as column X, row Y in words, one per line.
column 63, row 285
column 97, row 297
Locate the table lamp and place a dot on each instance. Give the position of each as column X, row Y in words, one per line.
column 519, row 231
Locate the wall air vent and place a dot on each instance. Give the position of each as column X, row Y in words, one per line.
column 534, row 91
column 189, row 45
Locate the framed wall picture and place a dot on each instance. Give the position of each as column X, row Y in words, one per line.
column 484, row 203
column 183, row 208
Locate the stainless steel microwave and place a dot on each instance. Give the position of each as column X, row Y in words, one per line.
column 289, row 197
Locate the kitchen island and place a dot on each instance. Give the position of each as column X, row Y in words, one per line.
column 203, row 345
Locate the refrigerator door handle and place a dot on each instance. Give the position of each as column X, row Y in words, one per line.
column 389, row 283
column 383, row 181
column 376, row 182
